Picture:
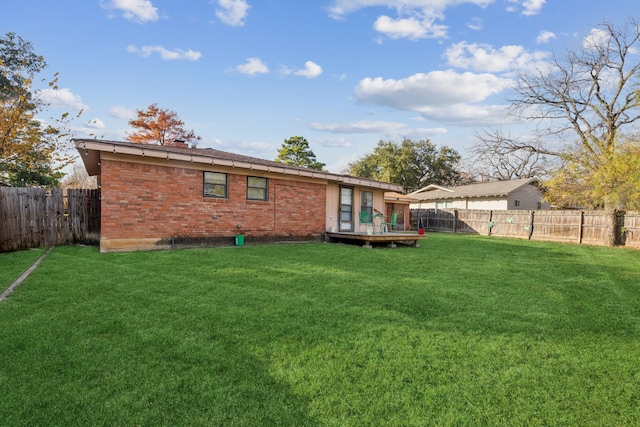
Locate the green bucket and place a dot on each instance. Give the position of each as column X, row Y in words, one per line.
column 240, row 240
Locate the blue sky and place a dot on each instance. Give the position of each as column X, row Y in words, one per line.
column 247, row 74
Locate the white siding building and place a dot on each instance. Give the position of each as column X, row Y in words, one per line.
column 499, row 195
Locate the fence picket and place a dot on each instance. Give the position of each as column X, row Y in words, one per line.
column 35, row 217
column 570, row 226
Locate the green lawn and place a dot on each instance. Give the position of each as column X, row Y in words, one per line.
column 465, row 330
column 13, row 264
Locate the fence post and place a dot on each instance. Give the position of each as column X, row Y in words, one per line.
column 455, row 221
column 621, row 236
column 533, row 213
column 490, row 224
column 581, row 227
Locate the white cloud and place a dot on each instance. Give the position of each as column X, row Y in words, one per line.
column 285, row 71
column 475, row 24
column 165, row 54
column 416, row 19
column 256, row 146
column 467, row 114
column 122, row 112
column 595, row 39
column 232, row 12
column 442, row 95
column 253, row 66
column 133, row 10
column 545, row 37
column 485, row 58
column 530, row 7
column 390, row 129
column 61, row 98
column 362, row 126
column 210, row 142
column 311, row 70
column 258, row 149
column 340, row 8
column 334, row 142
column 410, row 28
column 435, row 88
column 427, row 132
column 96, row 124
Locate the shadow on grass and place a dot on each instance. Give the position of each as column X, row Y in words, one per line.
column 100, row 346
column 457, row 332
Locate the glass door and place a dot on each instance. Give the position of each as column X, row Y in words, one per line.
column 346, row 209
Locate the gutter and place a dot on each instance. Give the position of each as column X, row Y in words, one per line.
column 151, row 151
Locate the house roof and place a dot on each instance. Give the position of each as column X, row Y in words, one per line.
column 392, row 196
column 90, row 150
column 487, row 189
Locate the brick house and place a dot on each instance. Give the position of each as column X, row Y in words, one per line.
column 157, row 197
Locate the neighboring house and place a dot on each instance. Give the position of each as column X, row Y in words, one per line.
column 400, row 203
column 498, row 195
column 155, row 197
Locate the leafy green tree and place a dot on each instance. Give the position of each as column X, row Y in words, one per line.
column 412, row 164
column 296, row 151
column 18, row 64
column 35, row 174
column 32, row 151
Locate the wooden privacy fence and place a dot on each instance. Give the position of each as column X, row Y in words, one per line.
column 35, row 217
column 582, row 227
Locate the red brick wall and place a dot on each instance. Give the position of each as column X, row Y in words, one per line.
column 154, row 201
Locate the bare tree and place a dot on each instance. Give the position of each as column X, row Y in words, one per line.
column 499, row 156
column 79, row 178
column 590, row 93
column 583, row 103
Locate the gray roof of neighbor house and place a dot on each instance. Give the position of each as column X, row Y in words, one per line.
column 89, row 150
column 487, row 189
column 393, row 196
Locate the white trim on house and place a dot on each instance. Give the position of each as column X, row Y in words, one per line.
column 499, row 195
column 90, row 149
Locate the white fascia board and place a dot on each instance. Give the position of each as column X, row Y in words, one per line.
column 152, row 151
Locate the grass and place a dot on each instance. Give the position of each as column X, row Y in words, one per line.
column 466, row 330
column 14, row 263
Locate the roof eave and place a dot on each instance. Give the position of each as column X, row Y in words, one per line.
column 90, row 148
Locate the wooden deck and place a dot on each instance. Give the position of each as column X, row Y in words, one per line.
column 390, row 238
